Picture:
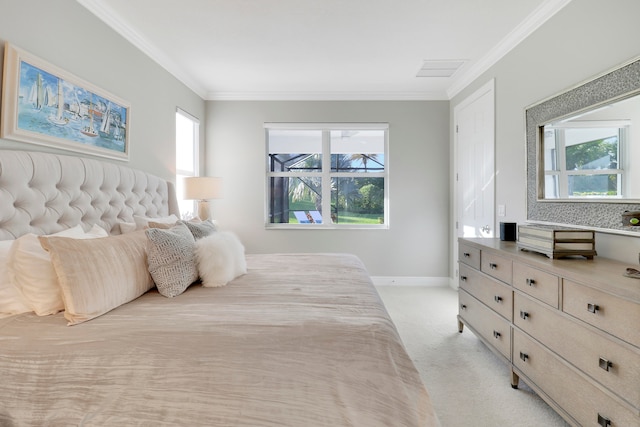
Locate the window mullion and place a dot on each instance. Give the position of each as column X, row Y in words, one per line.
column 326, row 177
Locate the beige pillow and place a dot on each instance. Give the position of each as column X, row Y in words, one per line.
column 142, row 222
column 99, row 275
column 32, row 274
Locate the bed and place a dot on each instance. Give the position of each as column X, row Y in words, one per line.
column 299, row 340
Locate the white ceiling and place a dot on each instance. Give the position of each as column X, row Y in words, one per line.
column 323, row 49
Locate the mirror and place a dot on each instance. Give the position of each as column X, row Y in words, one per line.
column 582, row 152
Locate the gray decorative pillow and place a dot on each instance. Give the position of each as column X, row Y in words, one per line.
column 171, row 259
column 200, row 229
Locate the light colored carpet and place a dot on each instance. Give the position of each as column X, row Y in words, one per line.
column 468, row 384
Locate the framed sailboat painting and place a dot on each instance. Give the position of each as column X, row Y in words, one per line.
column 43, row 104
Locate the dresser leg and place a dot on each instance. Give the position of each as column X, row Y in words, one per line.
column 460, row 326
column 515, row 379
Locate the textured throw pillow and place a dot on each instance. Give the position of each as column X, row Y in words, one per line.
column 200, row 229
column 99, row 275
column 11, row 301
column 171, row 259
column 31, row 272
column 220, row 258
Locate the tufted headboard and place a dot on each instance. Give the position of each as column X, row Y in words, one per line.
column 44, row 193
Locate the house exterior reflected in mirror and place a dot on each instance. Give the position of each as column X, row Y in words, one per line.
column 589, row 156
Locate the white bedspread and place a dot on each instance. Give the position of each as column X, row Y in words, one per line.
column 301, row 340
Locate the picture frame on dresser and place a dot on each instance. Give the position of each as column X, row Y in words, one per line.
column 46, row 105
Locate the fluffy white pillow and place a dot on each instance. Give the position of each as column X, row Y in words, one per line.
column 11, row 302
column 220, row 258
column 31, row 272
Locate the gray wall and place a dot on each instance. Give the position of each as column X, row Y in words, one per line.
column 584, row 39
column 415, row 245
column 67, row 35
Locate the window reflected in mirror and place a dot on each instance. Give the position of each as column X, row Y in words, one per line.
column 589, row 155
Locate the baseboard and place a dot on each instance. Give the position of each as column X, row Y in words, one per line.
column 410, row 281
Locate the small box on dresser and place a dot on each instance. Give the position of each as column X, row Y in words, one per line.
column 557, row 242
column 573, row 323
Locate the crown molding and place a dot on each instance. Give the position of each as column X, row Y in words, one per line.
column 326, row 96
column 113, row 20
column 528, row 26
column 538, row 17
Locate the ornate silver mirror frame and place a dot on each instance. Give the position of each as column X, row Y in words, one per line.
column 622, row 82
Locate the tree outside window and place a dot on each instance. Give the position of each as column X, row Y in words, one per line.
column 326, row 176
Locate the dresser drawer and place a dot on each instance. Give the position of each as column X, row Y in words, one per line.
column 580, row 398
column 469, row 255
column 494, row 329
column 539, row 284
column 496, row 266
column 496, row 295
column 613, row 315
column 612, row 364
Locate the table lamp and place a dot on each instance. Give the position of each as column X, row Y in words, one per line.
column 203, row 188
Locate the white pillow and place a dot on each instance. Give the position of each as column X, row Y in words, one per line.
column 142, row 222
column 11, row 302
column 127, row 227
column 31, row 272
column 220, row 258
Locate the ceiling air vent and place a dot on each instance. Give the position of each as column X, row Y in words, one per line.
column 439, row 68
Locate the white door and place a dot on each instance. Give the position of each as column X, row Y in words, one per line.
column 474, row 126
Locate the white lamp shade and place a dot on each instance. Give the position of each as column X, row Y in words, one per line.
column 202, row 188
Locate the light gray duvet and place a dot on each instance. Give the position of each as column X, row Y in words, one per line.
column 301, row 340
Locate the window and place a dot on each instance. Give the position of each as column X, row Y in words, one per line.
column 187, row 159
column 327, row 175
column 584, row 159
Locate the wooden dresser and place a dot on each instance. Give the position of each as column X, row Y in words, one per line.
column 570, row 328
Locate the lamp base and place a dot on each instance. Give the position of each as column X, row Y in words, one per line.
column 204, row 211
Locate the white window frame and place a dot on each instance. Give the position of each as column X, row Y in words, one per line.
column 561, row 173
column 326, row 174
column 188, row 207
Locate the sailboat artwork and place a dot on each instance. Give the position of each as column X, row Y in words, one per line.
column 54, row 108
column 58, row 119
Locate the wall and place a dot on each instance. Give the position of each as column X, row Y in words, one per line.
column 67, row 35
column 584, row 39
column 416, row 243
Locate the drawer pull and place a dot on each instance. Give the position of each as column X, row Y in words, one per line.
column 592, row 308
column 604, row 421
column 531, row 282
column 466, row 254
column 605, row 364
column 493, row 266
column 524, row 315
column 496, row 334
column 463, row 278
column 463, row 307
column 524, row 356
column 497, row 298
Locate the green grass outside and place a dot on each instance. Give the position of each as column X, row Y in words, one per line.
column 343, row 218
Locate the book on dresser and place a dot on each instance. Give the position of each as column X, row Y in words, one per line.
column 556, row 242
